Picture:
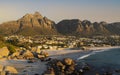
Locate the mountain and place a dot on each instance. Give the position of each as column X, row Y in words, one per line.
column 86, row 28
column 36, row 24
column 30, row 24
column 114, row 28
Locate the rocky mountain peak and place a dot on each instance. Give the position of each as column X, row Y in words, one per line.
column 27, row 16
column 30, row 24
column 86, row 22
column 37, row 15
column 103, row 23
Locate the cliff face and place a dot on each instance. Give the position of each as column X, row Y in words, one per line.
column 30, row 24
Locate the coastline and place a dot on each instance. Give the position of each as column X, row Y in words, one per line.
column 74, row 54
column 39, row 67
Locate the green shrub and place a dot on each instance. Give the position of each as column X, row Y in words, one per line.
column 11, row 48
column 2, row 44
column 2, row 41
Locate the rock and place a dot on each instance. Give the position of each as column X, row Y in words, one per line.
column 70, row 69
column 41, row 56
column 15, row 54
column 28, row 55
column 4, row 52
column 68, row 61
column 20, row 57
column 61, row 73
column 118, row 70
column 6, row 69
column 44, row 53
column 86, row 68
column 38, row 50
column 1, row 68
column 31, row 61
column 60, row 65
column 108, row 73
column 49, row 72
column 12, row 70
column 38, row 15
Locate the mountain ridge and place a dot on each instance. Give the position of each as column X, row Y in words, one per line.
column 36, row 24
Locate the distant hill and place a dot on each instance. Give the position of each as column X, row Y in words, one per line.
column 36, row 24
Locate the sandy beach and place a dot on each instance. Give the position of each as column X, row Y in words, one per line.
column 39, row 67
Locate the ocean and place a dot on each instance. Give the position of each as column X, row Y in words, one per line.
column 103, row 61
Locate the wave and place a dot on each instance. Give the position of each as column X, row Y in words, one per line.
column 100, row 51
column 91, row 53
column 84, row 56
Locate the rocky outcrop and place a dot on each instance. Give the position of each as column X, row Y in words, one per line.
column 21, row 55
column 49, row 72
column 35, row 20
column 64, row 67
column 5, row 70
column 4, row 52
column 11, row 69
column 67, row 66
column 30, row 24
column 68, row 61
column 27, row 54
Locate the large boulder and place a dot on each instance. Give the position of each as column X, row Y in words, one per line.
column 70, row 69
column 38, row 51
column 4, row 52
column 44, row 53
column 5, row 69
column 60, row 66
column 68, row 61
column 15, row 54
column 27, row 54
column 1, row 68
column 40, row 56
column 11, row 70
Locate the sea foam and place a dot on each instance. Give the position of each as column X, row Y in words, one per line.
column 91, row 53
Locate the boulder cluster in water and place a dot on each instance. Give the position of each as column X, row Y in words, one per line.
column 67, row 66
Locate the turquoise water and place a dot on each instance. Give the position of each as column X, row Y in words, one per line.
column 108, row 60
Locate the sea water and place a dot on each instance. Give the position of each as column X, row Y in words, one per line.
column 105, row 60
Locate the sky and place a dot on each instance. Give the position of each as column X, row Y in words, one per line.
column 57, row 10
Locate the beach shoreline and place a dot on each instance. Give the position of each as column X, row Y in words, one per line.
column 39, row 67
column 60, row 54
